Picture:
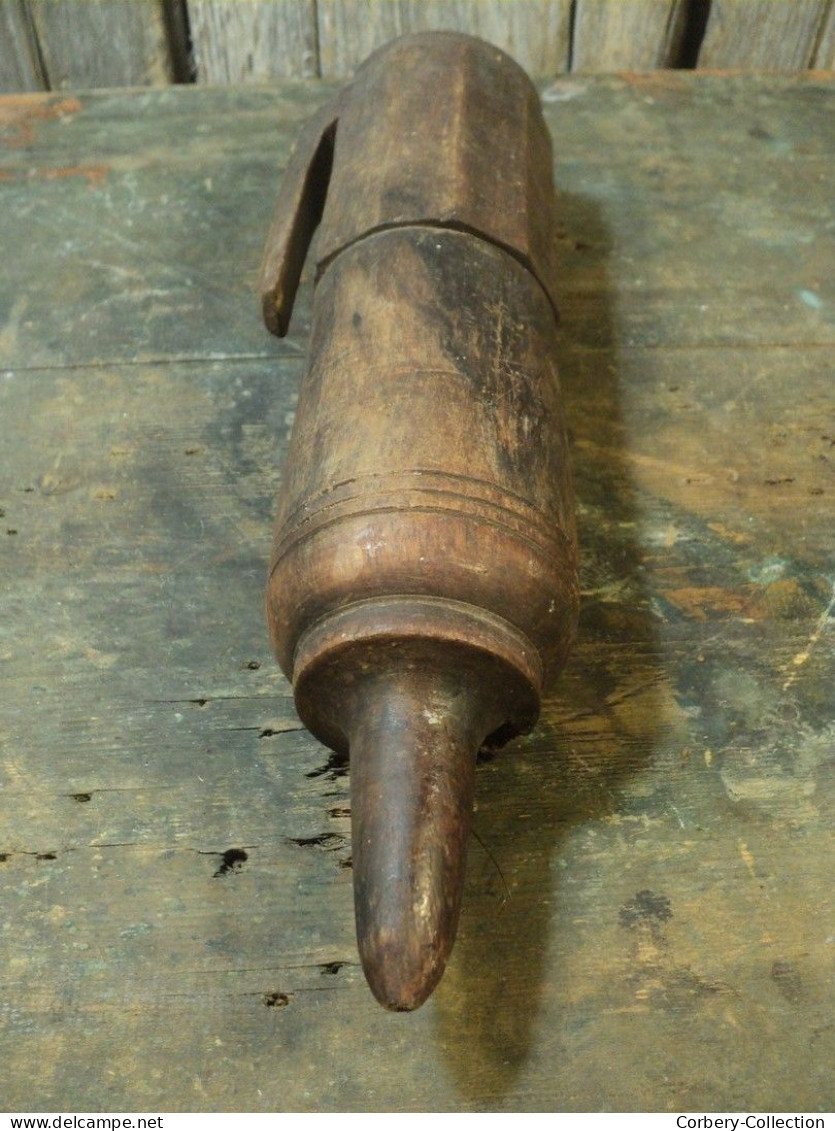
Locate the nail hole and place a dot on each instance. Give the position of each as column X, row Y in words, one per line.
column 232, row 860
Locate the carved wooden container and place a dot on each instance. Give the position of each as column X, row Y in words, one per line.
column 423, row 586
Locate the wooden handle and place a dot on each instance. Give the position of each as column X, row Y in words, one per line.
column 297, row 215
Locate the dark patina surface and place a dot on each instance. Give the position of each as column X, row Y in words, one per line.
column 423, row 588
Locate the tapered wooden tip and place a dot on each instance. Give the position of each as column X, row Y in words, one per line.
column 413, row 756
column 410, row 688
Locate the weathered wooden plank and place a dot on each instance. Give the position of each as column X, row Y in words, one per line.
column 823, row 58
column 610, row 35
column 91, row 43
column 535, row 32
column 649, row 917
column 253, row 40
column 763, row 34
column 20, row 67
column 115, row 273
column 139, row 914
column 126, row 277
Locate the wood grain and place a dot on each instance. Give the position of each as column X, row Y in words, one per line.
column 20, row 67
column 649, row 909
column 761, row 34
column 90, row 43
column 610, row 35
column 253, row 40
column 534, row 32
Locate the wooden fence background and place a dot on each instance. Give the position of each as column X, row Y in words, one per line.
column 55, row 44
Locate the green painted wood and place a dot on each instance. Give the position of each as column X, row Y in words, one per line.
column 649, row 918
column 151, row 216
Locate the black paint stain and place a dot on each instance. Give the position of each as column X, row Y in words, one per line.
column 335, row 767
column 276, row 1000
column 646, row 908
column 232, row 860
column 323, row 840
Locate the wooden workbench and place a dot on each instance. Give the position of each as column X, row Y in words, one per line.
column 649, row 921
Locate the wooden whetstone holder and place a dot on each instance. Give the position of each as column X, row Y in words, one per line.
column 423, row 585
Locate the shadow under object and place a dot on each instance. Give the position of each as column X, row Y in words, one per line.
column 423, row 589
